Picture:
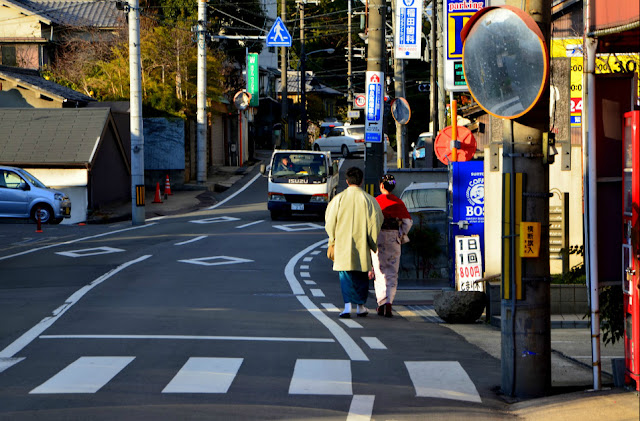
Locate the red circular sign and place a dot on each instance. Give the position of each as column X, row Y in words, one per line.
column 443, row 145
column 361, row 100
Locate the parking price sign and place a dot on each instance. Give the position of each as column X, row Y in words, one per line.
column 408, row 39
column 373, row 124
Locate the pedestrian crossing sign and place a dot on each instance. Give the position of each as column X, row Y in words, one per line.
column 278, row 35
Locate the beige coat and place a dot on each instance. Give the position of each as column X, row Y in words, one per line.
column 352, row 221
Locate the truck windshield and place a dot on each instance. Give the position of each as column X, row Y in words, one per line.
column 286, row 166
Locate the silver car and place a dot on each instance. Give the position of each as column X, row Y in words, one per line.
column 345, row 139
column 24, row 196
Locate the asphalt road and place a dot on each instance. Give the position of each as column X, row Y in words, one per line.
column 216, row 314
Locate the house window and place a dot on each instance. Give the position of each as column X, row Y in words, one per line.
column 8, row 55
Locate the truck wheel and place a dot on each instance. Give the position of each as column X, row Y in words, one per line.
column 275, row 215
column 345, row 152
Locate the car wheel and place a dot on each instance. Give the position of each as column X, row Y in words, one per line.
column 345, row 151
column 45, row 212
column 316, row 147
column 275, row 215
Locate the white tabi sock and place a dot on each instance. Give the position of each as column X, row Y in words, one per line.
column 347, row 308
column 361, row 308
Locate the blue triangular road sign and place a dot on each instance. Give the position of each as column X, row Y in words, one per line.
column 278, row 35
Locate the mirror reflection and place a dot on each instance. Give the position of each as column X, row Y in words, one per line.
column 504, row 63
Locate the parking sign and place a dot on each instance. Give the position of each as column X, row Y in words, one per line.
column 375, row 99
column 456, row 14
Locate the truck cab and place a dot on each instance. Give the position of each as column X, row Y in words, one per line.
column 300, row 181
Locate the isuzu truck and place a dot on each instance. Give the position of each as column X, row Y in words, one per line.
column 300, row 182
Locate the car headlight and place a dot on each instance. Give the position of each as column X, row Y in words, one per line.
column 59, row 196
column 277, row 197
column 319, row 198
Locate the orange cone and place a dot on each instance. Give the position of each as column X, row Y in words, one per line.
column 157, row 198
column 167, row 187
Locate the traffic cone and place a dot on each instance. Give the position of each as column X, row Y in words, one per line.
column 157, row 198
column 167, row 187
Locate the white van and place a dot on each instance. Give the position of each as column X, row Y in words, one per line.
column 300, row 182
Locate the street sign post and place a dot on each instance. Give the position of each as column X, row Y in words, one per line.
column 375, row 98
column 408, row 39
column 278, row 36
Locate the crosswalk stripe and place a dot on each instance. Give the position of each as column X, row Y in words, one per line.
column 442, row 379
column 374, row 343
column 205, row 375
column 321, row 377
column 85, row 375
column 361, row 408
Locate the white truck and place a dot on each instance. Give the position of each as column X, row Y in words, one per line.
column 300, row 182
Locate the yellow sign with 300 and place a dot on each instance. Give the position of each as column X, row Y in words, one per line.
column 605, row 63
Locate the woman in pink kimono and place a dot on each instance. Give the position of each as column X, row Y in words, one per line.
column 386, row 261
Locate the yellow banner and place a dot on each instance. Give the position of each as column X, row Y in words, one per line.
column 529, row 239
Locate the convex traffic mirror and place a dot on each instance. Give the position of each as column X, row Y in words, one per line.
column 505, row 60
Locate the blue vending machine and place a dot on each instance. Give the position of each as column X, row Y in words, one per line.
column 467, row 219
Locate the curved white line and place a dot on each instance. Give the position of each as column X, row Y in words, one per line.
column 236, row 193
column 352, row 349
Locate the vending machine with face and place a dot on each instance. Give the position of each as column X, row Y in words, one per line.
column 631, row 245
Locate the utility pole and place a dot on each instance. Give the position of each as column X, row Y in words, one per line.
column 526, row 325
column 283, row 81
column 349, row 56
column 441, row 96
column 433, row 93
column 135, row 116
column 201, row 97
column 303, row 81
column 377, row 47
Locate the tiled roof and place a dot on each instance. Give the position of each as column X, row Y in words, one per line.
column 50, row 135
column 77, row 13
column 33, row 79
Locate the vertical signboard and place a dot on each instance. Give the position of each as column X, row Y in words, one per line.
column 253, row 79
column 468, row 263
column 467, row 197
column 456, row 14
column 408, row 39
column 374, row 106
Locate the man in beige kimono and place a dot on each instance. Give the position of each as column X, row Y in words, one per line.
column 352, row 221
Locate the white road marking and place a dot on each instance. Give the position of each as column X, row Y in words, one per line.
column 350, row 346
column 317, row 292
column 243, row 188
column 352, row 324
column 295, row 286
column 304, row 267
column 216, row 260
column 374, row 343
column 308, row 282
column 299, row 227
column 89, row 252
column 321, row 377
column 442, row 379
column 192, row 338
column 193, row 240
column 215, row 220
column 307, row 259
column 9, row 362
column 361, row 408
column 26, row 338
column 315, row 252
column 75, row 241
column 250, row 223
column 205, row 375
column 305, row 274
column 330, row 307
column 85, row 375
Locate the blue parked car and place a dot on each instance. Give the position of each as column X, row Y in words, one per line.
column 24, row 196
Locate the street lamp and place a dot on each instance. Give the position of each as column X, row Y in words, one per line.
column 303, row 89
